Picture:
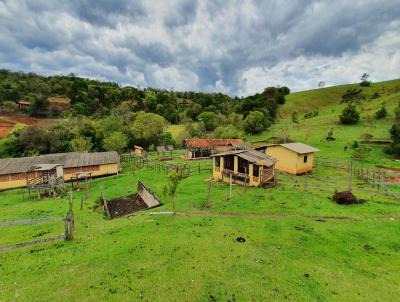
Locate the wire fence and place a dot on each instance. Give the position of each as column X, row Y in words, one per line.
column 187, row 169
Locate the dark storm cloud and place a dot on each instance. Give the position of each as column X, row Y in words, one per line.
column 231, row 46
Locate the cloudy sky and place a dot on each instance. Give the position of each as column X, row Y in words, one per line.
column 236, row 47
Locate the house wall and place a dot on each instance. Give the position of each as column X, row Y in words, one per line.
column 19, row 180
column 305, row 167
column 290, row 161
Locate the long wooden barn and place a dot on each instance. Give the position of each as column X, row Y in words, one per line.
column 14, row 172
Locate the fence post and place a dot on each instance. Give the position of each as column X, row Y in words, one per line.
column 69, row 220
column 209, row 194
column 230, row 186
column 350, row 174
column 105, row 203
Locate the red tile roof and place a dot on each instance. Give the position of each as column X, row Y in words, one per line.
column 204, row 143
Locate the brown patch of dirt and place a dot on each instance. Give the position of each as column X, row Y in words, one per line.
column 346, row 197
column 25, row 120
column 123, row 206
column 5, row 129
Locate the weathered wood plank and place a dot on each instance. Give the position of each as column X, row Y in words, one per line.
column 30, row 221
column 24, row 244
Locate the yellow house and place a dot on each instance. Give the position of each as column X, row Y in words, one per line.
column 14, row 172
column 293, row 158
column 245, row 167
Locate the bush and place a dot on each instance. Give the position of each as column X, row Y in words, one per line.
column 227, row 132
column 209, row 119
column 381, row 113
column 311, row 114
column 256, row 122
column 350, row 115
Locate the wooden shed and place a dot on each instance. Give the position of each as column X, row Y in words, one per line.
column 245, row 167
column 293, row 158
column 137, row 151
column 205, row 147
column 14, row 172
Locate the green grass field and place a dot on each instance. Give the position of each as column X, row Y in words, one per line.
column 299, row 244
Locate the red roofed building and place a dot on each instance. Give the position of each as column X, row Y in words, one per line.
column 205, row 147
column 23, row 103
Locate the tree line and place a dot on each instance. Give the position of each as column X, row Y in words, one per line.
column 106, row 116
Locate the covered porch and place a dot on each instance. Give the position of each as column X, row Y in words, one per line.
column 245, row 167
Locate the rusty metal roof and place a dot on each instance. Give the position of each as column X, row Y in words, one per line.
column 253, row 156
column 204, row 143
column 68, row 160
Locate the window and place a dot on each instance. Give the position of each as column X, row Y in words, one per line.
column 243, row 166
column 305, row 158
column 217, row 161
column 228, row 162
column 256, row 170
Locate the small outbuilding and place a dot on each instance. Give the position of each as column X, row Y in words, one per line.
column 293, row 158
column 245, row 167
column 205, row 147
column 137, row 151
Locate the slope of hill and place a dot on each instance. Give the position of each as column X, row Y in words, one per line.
column 326, row 102
column 325, row 98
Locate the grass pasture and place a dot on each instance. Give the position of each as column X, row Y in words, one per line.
column 299, row 246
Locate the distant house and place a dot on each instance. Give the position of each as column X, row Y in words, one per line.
column 293, row 158
column 137, row 151
column 14, row 172
column 205, row 147
column 23, row 104
column 245, row 167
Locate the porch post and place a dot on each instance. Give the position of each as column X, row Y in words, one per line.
column 251, row 167
column 221, row 163
column 235, row 165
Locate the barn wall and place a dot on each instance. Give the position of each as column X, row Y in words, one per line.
column 305, row 167
column 12, row 181
column 287, row 159
column 290, row 161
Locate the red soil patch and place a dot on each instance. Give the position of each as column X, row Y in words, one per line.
column 4, row 130
column 6, row 127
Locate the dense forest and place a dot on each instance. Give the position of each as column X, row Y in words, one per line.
column 106, row 116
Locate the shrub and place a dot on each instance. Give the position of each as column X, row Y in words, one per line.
column 256, row 122
column 381, row 113
column 311, row 114
column 209, row 119
column 229, row 131
column 349, row 115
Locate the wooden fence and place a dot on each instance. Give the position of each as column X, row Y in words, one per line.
column 67, row 235
column 377, row 186
column 187, row 169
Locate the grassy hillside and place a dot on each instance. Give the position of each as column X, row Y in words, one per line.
column 326, row 101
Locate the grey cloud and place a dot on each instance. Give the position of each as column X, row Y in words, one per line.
column 209, row 44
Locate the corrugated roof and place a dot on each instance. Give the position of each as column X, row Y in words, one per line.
column 300, row 148
column 68, row 160
column 203, row 143
column 253, row 156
